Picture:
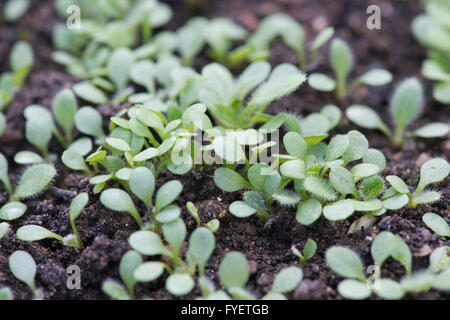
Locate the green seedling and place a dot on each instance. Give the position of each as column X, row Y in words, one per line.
column 292, row 34
column 234, row 272
column 388, row 245
column 218, row 33
column 347, row 264
column 73, row 156
column 181, row 279
column 405, row 107
column 437, row 224
column 21, row 60
column 130, row 261
column 308, row 252
column 212, row 225
column 342, row 60
column 286, row 281
column 399, row 195
column 40, row 126
column 23, row 267
column 431, row 30
column 225, row 98
column 36, row 233
column 141, row 182
column 34, row 179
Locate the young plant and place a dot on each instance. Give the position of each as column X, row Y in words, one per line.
column 399, row 195
column 342, row 60
column 405, row 106
column 347, row 264
column 431, row 30
column 292, row 34
column 36, row 233
column 182, row 272
column 34, row 179
column 21, row 60
column 308, row 252
column 23, row 267
column 141, row 183
column 225, row 98
column 212, row 225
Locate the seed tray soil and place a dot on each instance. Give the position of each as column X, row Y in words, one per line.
column 267, row 246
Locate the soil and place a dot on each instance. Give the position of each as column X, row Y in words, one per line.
column 267, row 247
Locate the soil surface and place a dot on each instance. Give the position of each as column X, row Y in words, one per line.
column 267, row 247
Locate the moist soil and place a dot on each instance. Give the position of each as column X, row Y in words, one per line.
column 267, row 246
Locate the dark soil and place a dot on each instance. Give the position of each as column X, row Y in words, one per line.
column 267, row 247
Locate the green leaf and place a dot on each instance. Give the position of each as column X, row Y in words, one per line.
column 367, row 205
column 15, row 9
column 119, row 200
column 179, row 284
column 310, row 249
column 319, row 188
column 407, row 102
column 321, row 82
column 147, row 154
column 201, row 246
column 64, row 108
column 367, row 118
column 337, row 147
column 128, row 264
column 168, row 214
column 12, row 210
column 229, row 180
column 339, row 210
column 376, row 77
column 115, row 290
column 363, row 170
column 77, row 205
column 4, row 173
column 437, row 224
column 167, row 194
column 149, row 118
column 23, row 267
column 308, row 211
column 333, row 114
column 345, row 263
column 293, row 169
column 142, row 184
column 357, row 148
column 148, row 243
column 376, row 157
column 372, row 187
column 342, row 181
column 234, row 270
column 118, row 144
column 89, row 121
column 389, row 289
column 426, row 197
column 386, row 245
column 322, row 38
column 2, row 123
column 295, row 144
column 396, row 202
column 354, row 289
column 148, row 271
column 27, row 157
column 228, row 148
column 21, row 56
column 433, row 130
column 35, row 179
column 287, row 280
column 35, row 233
column 341, row 58
column 398, row 184
column 439, row 260
column 174, row 233
column 119, row 66
column 4, row 228
column 87, row 91
column 241, row 210
column 441, row 92
column 432, row 171
column 74, row 160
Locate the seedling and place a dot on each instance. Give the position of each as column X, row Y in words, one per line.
column 23, row 267
column 437, row 224
column 286, row 281
column 21, row 60
column 234, row 273
column 431, row 30
column 130, row 261
column 342, row 60
column 405, row 107
column 212, row 225
column 308, row 252
column 292, row 34
column 180, row 282
column 36, row 233
column 225, row 97
column 399, row 195
column 388, row 245
column 347, row 264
